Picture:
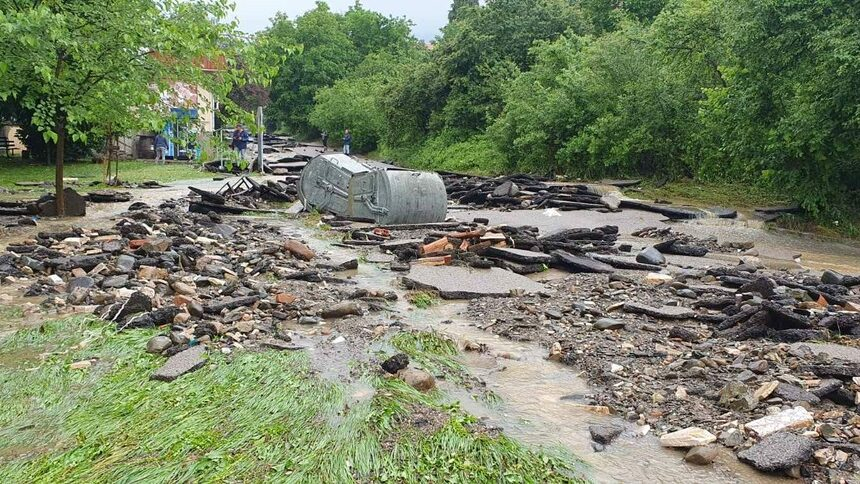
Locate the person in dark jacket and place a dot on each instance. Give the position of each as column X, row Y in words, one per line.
column 347, row 142
column 240, row 140
column 325, row 140
column 161, row 147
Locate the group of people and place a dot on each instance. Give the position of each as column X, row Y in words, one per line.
column 239, row 142
column 347, row 141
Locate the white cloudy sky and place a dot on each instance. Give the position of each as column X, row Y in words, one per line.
column 428, row 15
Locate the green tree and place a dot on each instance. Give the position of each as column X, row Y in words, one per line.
column 333, row 45
column 85, row 66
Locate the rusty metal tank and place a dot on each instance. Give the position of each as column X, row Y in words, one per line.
column 372, row 191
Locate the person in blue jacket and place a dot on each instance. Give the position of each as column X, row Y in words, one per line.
column 347, row 142
column 240, row 140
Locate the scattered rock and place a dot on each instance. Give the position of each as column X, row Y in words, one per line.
column 417, row 379
column 157, row 344
column 347, row 308
column 689, row 437
column 651, row 256
column 396, row 363
column 702, row 455
column 608, row 324
column 778, row 452
column 794, row 418
column 606, row 433
column 181, row 363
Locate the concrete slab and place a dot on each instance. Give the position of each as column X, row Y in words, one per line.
column 664, row 312
column 467, row 283
column 836, row 351
column 519, row 255
column 181, row 363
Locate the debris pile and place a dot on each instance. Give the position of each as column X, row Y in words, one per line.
column 243, row 195
column 522, row 191
column 209, row 282
column 736, row 356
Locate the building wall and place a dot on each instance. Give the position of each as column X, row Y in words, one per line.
column 11, row 133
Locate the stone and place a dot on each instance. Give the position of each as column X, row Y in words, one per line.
column 651, row 256
column 702, row 455
column 792, row 393
column 114, row 282
column 832, row 277
column 150, row 273
column 664, row 312
column 746, row 376
column 181, row 363
column 507, row 189
column 137, row 303
column 157, row 344
column 417, row 379
column 339, row 263
column 794, row 418
column 55, row 280
column 156, row 245
column 183, row 288
column 779, row 451
column 84, row 282
column 285, row 298
column 738, row 397
column 396, row 363
column 81, row 365
column 765, row 390
column 683, row 334
column 181, row 318
column 244, row 327
column 656, row 279
column 454, row 282
column 608, row 323
column 573, row 263
column 758, row 366
column 347, row 308
column 309, row 320
column 299, row 250
column 689, row 437
column 731, row 438
column 826, row 387
column 605, row 434
column 125, row 263
column 196, row 309
column 763, row 285
column 518, row 255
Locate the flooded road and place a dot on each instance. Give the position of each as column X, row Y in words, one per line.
column 541, row 402
column 776, row 246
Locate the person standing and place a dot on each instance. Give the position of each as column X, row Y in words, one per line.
column 161, row 147
column 325, row 140
column 347, row 142
column 240, row 140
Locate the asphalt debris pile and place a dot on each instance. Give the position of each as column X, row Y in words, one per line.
column 764, row 363
column 523, row 192
column 522, row 249
column 228, row 285
column 243, row 195
column 679, row 243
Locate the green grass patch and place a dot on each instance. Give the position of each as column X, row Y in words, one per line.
column 10, row 313
column 250, row 417
column 14, row 170
column 696, row 193
column 422, row 299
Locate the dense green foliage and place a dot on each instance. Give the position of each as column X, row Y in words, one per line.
column 758, row 92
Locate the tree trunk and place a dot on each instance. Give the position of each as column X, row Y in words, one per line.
column 58, row 181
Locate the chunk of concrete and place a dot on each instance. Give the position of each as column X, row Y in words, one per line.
column 664, row 312
column 452, row 282
column 519, row 255
column 778, row 451
column 575, row 263
column 794, row 418
column 181, row 363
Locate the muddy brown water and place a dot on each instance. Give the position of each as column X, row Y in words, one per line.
column 540, row 400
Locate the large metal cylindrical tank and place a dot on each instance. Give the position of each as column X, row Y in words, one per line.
column 371, row 191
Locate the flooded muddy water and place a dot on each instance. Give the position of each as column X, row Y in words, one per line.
column 542, row 402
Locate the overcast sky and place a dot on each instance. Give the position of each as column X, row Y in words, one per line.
column 427, row 15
